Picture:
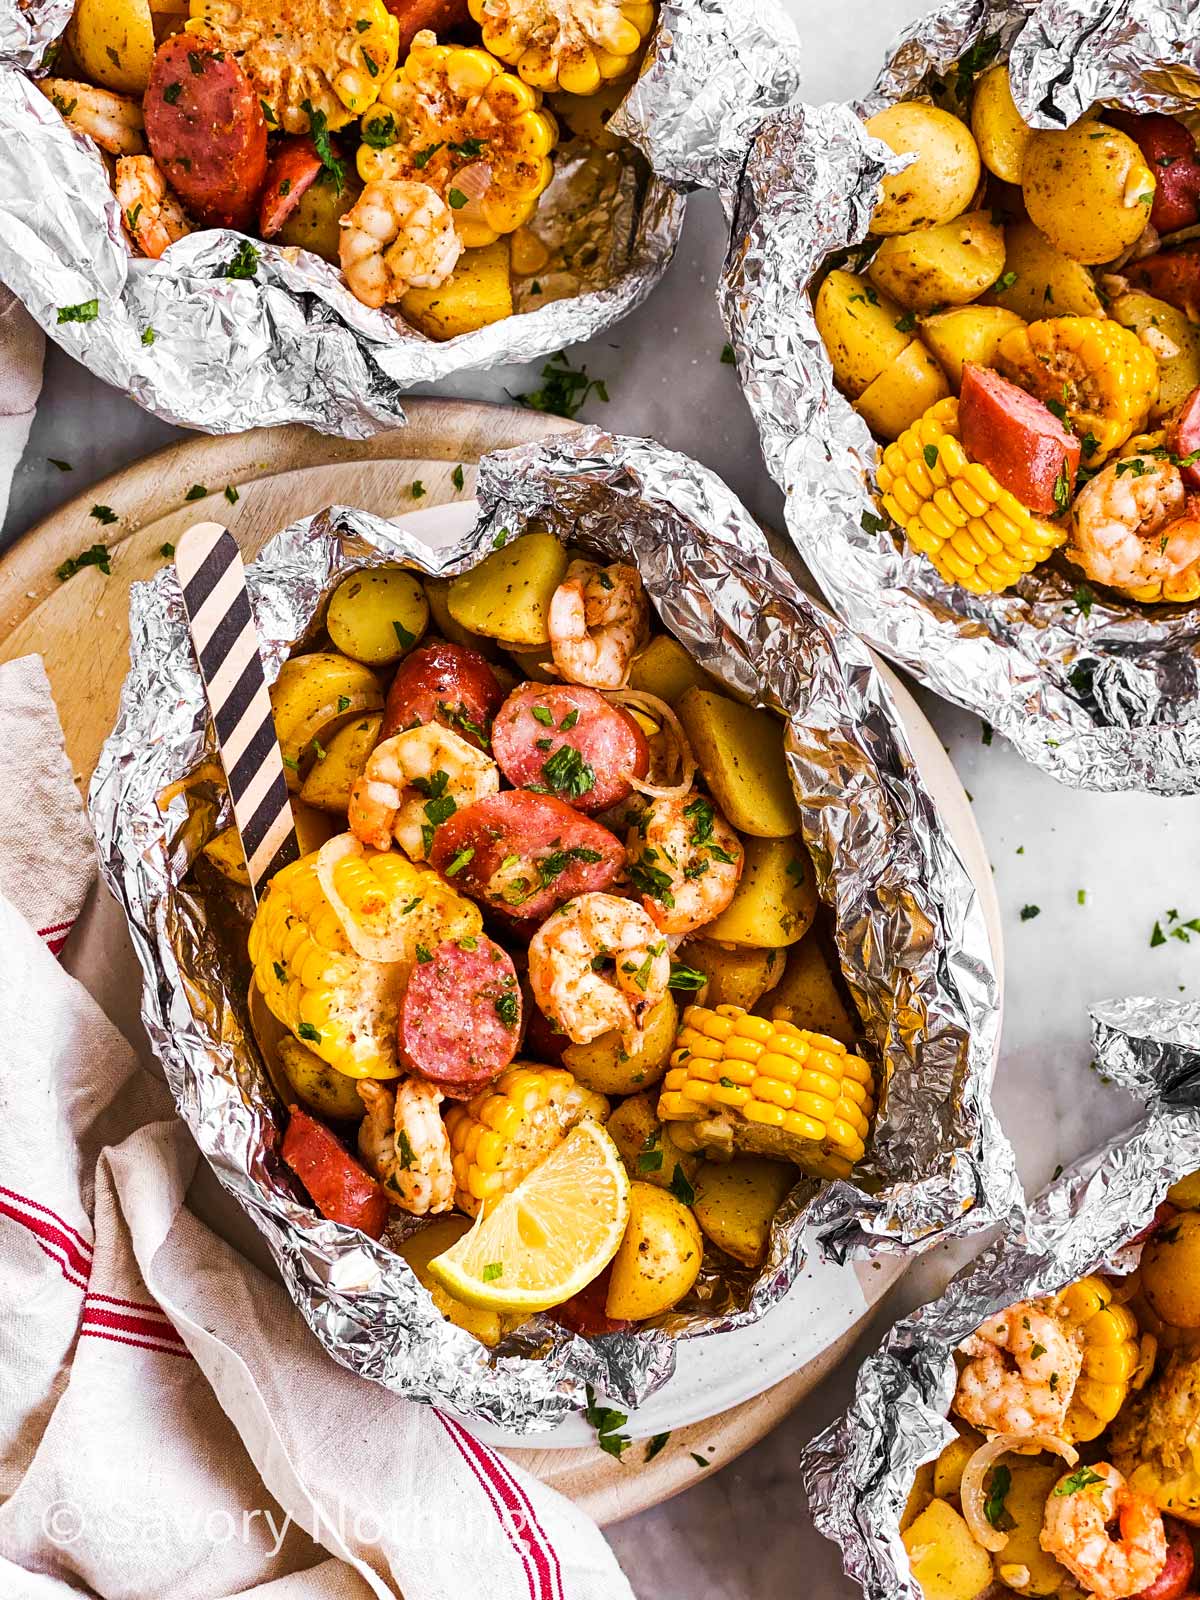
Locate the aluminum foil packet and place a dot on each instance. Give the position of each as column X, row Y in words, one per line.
column 1099, row 692
column 911, row 936
column 291, row 343
column 859, row 1472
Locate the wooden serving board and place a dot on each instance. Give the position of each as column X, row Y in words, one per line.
column 80, row 629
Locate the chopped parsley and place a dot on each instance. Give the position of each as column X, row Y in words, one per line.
column 1176, row 928
column 405, row 1152
column 307, row 1031
column 696, row 1457
column 686, row 978
column 63, row 466
column 268, row 115
column 244, row 263
column 607, row 1423
column 467, row 149
column 682, row 1190
column 148, row 336
column 1029, row 912
column 1062, row 489
column 1082, row 1478
column 318, row 128
column 1089, row 444
column 460, row 861
column 280, row 972
column 1005, row 281
column 650, row 880
column 727, row 355
column 994, row 1508
column 423, row 157
column 85, row 311
column 567, row 773
column 650, row 1156
column 455, row 199
column 930, row 453
column 196, row 492
column 1133, row 464
column 369, row 61
column 1084, row 600
column 423, row 955
column 172, row 92
column 380, row 131
column 417, row 490
column 406, row 638
column 492, row 1270
column 508, row 1009
column 103, row 514
column 456, row 477
column 95, row 556
column 542, row 714
column 653, row 1446
column 166, row 551
column 986, row 733
column 564, row 390
column 907, row 322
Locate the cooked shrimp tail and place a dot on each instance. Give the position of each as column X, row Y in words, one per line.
column 397, row 236
column 597, row 623
column 404, row 1141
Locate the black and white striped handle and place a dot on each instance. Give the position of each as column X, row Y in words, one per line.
column 213, row 581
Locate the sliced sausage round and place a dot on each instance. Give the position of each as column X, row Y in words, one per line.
column 447, row 683
column 294, row 167
column 206, row 130
column 1173, row 1582
column 522, row 854
column 460, row 1019
column 339, row 1187
column 1172, row 275
column 1019, row 440
column 1170, row 152
column 442, row 16
column 1184, row 438
column 565, row 740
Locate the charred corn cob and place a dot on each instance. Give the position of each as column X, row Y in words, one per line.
column 1099, row 373
column 953, row 511
column 1153, row 1441
column 738, row 1082
column 503, row 1133
column 343, row 1006
column 450, row 108
column 1108, row 1335
column 573, row 45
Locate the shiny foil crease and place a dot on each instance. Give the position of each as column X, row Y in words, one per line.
column 912, row 939
column 1105, row 700
column 858, row 1472
column 293, row 344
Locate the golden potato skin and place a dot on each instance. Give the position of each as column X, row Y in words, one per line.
column 951, row 1464
column 313, row 225
column 968, row 333
column 313, row 696
column 945, row 1560
column 775, row 900
column 1186, row 1193
column 903, row 392
column 940, row 182
column 113, row 41
column 225, row 852
column 419, row 1250
column 740, row 752
column 329, row 782
column 1171, row 1271
column 1000, row 130
column 646, row 1145
column 507, row 596
column 919, row 1495
column 944, row 266
column 1174, row 340
column 863, row 330
column 1025, row 1502
column 1040, row 281
column 810, row 994
column 376, row 615
column 737, row 976
column 659, row 1258
column 318, row 1085
column 605, row 1066
column 476, row 293
column 1088, row 189
column 665, row 669
column 437, row 592
column 736, row 1202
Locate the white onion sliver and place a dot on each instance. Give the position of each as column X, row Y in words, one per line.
column 971, row 1489
column 370, row 946
column 670, row 723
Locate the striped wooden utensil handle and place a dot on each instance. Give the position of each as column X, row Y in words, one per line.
column 213, row 581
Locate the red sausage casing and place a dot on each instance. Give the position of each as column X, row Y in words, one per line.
column 1183, row 437
column 522, row 854
column 440, row 15
column 460, row 1019
column 571, row 742
column 1172, row 1582
column 294, row 167
column 1170, row 152
column 1172, row 275
column 1022, row 444
column 340, row 1188
column 206, row 130
column 447, row 683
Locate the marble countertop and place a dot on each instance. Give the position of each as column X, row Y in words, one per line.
column 744, row 1531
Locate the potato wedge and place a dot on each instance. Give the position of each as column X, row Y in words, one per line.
column 329, row 781
column 475, row 294
column 1040, row 281
column 378, row 614
column 1030, row 1483
column 314, row 224
column 775, row 901
column 943, row 266
column 951, row 1464
column 647, row 1146
column 943, row 1557
column 1000, row 130
column 437, row 593
column 507, row 596
column 740, row 753
column 736, row 1202
column 1174, row 340
column 313, row 696
column 318, row 1085
column 1186, row 1192
column 605, row 1066
column 1171, row 1271
column 113, row 41
column 810, row 993
column 664, row 668
column 736, row 976
column 419, row 1250
column 863, row 331
column 1088, row 189
column 968, row 333
column 919, row 1495
column 903, row 392
column 224, row 850
column 659, row 1258
column 940, row 183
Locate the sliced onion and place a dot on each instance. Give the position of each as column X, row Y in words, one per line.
column 683, row 760
column 370, row 946
column 474, row 181
column 971, row 1489
column 1181, row 235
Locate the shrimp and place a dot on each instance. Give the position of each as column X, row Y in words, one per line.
column 685, row 861
column 1021, row 1374
column 398, row 235
column 404, row 1141
column 596, row 964
column 412, row 782
column 597, row 624
column 114, row 121
column 1075, row 1530
column 151, row 212
column 1135, row 528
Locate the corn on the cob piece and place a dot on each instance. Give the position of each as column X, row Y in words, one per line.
column 308, row 59
column 343, row 1006
column 1101, row 375
column 449, row 108
column 503, row 1133
column 739, row 1082
column 953, row 511
column 1108, row 1334
column 573, row 45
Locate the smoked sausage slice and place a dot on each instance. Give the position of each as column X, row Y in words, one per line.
column 1022, row 444
column 571, row 742
column 1184, row 438
column 1170, row 152
column 460, row 1019
column 340, row 1188
column 294, row 167
column 447, row 683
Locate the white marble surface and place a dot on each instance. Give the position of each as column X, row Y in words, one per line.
column 743, row 1532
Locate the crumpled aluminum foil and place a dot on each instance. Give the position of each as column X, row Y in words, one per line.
column 1104, row 695
column 858, row 1473
column 293, row 344
column 911, row 935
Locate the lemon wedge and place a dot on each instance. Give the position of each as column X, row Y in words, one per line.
column 548, row 1238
